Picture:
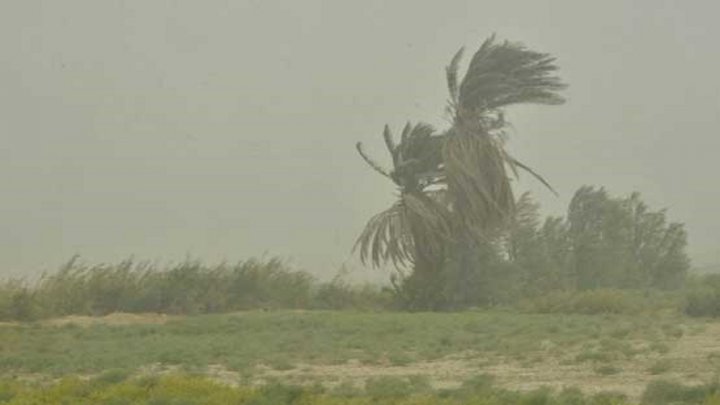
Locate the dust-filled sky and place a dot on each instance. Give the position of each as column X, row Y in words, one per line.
column 226, row 129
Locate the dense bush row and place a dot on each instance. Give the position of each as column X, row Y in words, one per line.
column 116, row 389
column 186, row 288
column 191, row 288
column 700, row 297
column 604, row 242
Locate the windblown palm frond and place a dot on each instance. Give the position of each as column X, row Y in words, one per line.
column 417, row 159
column 371, row 162
column 505, row 73
column 396, row 234
column 451, row 72
column 478, row 169
column 516, row 163
column 477, row 181
column 386, row 236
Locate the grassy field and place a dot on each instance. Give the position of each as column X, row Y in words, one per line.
column 339, row 350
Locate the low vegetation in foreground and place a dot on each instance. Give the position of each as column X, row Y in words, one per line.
column 332, row 355
column 113, row 388
column 89, row 332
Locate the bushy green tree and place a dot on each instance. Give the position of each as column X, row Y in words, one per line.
column 605, row 242
column 538, row 253
column 620, row 242
column 599, row 230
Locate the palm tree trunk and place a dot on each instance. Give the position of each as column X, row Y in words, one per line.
column 425, row 287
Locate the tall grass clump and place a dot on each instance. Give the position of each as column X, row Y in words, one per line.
column 17, row 301
column 189, row 287
column 340, row 294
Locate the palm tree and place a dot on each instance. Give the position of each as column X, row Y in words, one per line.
column 414, row 231
column 455, row 186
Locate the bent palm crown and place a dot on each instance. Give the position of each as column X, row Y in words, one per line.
column 457, row 184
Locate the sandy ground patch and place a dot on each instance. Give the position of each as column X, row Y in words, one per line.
column 116, row 318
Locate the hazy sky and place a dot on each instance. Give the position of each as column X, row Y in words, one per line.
column 226, row 129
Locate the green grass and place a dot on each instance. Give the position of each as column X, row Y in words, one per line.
column 661, row 366
column 284, row 339
column 607, row 369
column 662, row 392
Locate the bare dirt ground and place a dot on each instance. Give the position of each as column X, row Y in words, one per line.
column 693, row 359
column 116, row 318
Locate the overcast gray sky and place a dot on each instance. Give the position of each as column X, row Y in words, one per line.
column 226, row 129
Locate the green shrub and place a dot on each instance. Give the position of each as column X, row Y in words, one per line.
column 338, row 294
column 702, row 296
column 660, row 367
column 112, row 376
column 666, row 392
column 18, row 302
column 607, row 369
column 601, row 301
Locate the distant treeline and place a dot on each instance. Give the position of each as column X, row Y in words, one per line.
column 195, row 288
column 603, row 242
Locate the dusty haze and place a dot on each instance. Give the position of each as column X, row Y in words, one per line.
column 226, row 129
